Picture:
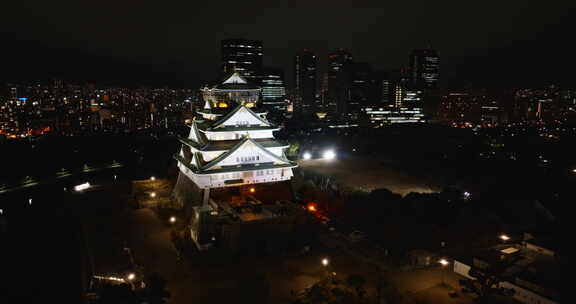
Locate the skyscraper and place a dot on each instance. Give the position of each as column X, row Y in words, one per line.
column 273, row 88
column 361, row 88
column 243, row 56
column 383, row 87
column 305, row 63
column 339, row 79
column 425, row 68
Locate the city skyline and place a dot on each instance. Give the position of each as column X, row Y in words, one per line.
column 156, row 48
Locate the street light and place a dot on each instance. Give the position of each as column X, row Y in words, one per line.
column 173, row 219
column 504, row 237
column 252, row 190
column 152, row 178
column 29, row 201
column 82, row 187
column 312, row 207
column 153, row 194
column 131, row 277
column 307, row 156
column 329, row 155
column 444, row 263
column 325, row 262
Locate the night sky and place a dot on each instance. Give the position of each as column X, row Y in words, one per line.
column 481, row 43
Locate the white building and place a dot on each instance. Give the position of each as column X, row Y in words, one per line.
column 230, row 144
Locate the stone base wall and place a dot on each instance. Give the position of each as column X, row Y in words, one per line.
column 186, row 194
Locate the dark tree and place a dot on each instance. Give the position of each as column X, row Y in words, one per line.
column 156, row 292
column 357, row 282
column 117, row 294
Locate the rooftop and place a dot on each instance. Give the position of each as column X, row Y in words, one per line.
column 224, row 145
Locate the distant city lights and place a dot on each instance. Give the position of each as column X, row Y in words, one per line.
column 82, row 187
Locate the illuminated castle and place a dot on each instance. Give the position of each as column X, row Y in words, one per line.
column 229, row 149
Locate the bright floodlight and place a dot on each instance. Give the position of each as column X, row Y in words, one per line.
column 131, row 277
column 574, row 170
column 81, row 187
column 325, row 261
column 173, row 219
column 153, row 194
column 504, row 237
column 30, row 201
column 443, row 262
column 153, row 178
column 307, row 156
column 329, row 154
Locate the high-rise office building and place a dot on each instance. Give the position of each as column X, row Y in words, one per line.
column 382, row 86
column 339, row 63
column 243, row 56
column 305, row 66
column 361, row 87
column 425, row 68
column 273, row 88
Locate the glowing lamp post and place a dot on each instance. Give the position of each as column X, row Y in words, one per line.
column 325, row 262
column 443, row 263
column 307, row 156
column 153, row 194
column 252, row 190
column 173, row 219
column 131, row 277
column 504, row 237
column 152, row 178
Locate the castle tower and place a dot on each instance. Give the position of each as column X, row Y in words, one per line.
column 230, row 144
